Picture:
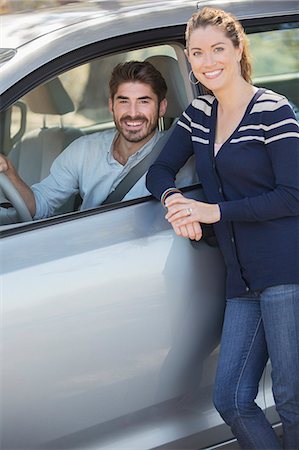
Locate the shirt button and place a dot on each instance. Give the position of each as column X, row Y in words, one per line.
column 247, row 289
column 233, row 239
column 220, row 190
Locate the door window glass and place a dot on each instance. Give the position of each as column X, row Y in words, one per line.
column 275, row 61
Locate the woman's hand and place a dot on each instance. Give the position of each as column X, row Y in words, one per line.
column 192, row 230
column 183, row 211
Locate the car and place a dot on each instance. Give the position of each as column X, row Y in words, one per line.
column 111, row 323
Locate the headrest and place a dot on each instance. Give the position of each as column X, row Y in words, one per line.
column 177, row 100
column 50, row 98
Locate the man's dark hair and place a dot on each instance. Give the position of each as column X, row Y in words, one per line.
column 141, row 71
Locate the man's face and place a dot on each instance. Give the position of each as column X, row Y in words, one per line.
column 136, row 111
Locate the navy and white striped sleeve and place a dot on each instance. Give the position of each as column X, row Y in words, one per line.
column 178, row 149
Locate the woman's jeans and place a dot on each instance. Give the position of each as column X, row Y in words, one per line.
column 259, row 325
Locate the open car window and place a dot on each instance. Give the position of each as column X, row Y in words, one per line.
column 48, row 119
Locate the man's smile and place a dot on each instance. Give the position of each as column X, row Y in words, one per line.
column 133, row 124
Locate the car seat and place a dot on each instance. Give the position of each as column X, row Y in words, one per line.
column 35, row 152
column 177, row 100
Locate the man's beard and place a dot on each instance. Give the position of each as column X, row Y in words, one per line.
column 135, row 135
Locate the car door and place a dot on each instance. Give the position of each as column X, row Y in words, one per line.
column 110, row 323
column 110, row 328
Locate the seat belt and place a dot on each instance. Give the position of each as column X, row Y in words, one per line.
column 138, row 171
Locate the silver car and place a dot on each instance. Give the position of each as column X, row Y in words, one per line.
column 110, row 324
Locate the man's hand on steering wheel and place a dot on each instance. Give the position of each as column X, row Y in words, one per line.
column 16, row 191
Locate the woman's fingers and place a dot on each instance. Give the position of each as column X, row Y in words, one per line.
column 176, row 199
column 197, row 231
column 184, row 231
column 182, row 207
column 178, row 212
column 192, row 231
column 193, row 211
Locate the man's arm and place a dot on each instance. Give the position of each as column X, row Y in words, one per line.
column 7, row 167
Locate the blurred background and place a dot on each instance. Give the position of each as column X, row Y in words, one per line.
column 14, row 6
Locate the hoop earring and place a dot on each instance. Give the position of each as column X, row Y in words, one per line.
column 191, row 74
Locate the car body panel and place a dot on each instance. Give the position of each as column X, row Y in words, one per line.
column 114, row 298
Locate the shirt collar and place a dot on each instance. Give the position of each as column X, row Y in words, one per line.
column 142, row 152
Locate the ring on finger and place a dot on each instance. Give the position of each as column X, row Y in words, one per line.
column 189, row 211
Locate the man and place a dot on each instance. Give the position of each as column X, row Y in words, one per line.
column 93, row 165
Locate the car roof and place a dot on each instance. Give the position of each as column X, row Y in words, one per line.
column 23, row 27
column 31, row 40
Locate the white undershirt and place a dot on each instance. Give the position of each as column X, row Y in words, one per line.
column 217, row 147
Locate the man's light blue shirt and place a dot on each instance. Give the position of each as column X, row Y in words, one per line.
column 87, row 166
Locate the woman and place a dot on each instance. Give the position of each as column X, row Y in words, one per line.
column 245, row 142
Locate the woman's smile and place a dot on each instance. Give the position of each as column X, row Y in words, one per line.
column 213, row 74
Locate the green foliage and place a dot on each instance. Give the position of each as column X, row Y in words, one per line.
column 275, row 52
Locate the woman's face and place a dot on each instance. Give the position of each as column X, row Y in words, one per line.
column 213, row 58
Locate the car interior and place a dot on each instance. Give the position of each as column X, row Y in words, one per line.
column 34, row 150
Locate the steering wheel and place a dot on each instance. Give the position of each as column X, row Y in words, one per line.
column 13, row 195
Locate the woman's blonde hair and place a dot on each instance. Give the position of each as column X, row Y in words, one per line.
column 229, row 25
